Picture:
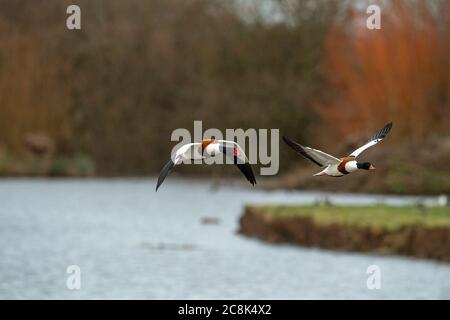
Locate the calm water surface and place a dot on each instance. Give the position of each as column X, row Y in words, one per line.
column 131, row 242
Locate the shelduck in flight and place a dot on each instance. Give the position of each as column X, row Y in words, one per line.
column 339, row 167
column 206, row 149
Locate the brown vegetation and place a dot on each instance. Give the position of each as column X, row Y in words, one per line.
column 399, row 73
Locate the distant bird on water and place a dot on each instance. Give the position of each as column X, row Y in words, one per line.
column 335, row 167
column 206, row 149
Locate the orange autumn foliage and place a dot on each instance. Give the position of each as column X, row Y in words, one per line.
column 398, row 73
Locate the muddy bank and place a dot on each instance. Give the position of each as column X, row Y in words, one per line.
column 416, row 240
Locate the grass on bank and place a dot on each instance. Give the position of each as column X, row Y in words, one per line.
column 376, row 216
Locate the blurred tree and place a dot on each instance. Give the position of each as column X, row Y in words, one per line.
column 139, row 69
column 29, row 75
column 400, row 72
column 147, row 68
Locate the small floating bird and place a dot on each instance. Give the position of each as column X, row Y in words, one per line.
column 206, row 149
column 335, row 167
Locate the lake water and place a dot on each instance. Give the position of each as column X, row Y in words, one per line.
column 131, row 242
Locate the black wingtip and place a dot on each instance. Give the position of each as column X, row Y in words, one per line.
column 164, row 172
column 383, row 132
column 291, row 143
column 286, row 139
column 299, row 149
column 253, row 182
column 388, row 126
column 247, row 171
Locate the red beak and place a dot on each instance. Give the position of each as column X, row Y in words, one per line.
column 372, row 167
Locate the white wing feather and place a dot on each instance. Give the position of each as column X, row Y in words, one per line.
column 377, row 137
column 358, row 151
column 324, row 158
column 188, row 151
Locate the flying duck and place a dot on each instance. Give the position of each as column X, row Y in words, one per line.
column 333, row 166
column 206, row 149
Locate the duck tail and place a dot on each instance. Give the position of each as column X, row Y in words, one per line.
column 321, row 173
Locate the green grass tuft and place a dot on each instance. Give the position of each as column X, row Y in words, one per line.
column 376, row 216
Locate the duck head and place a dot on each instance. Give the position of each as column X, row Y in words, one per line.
column 365, row 165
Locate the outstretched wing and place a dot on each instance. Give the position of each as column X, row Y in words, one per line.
column 247, row 171
column 318, row 157
column 164, row 172
column 377, row 137
column 188, row 151
column 233, row 150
